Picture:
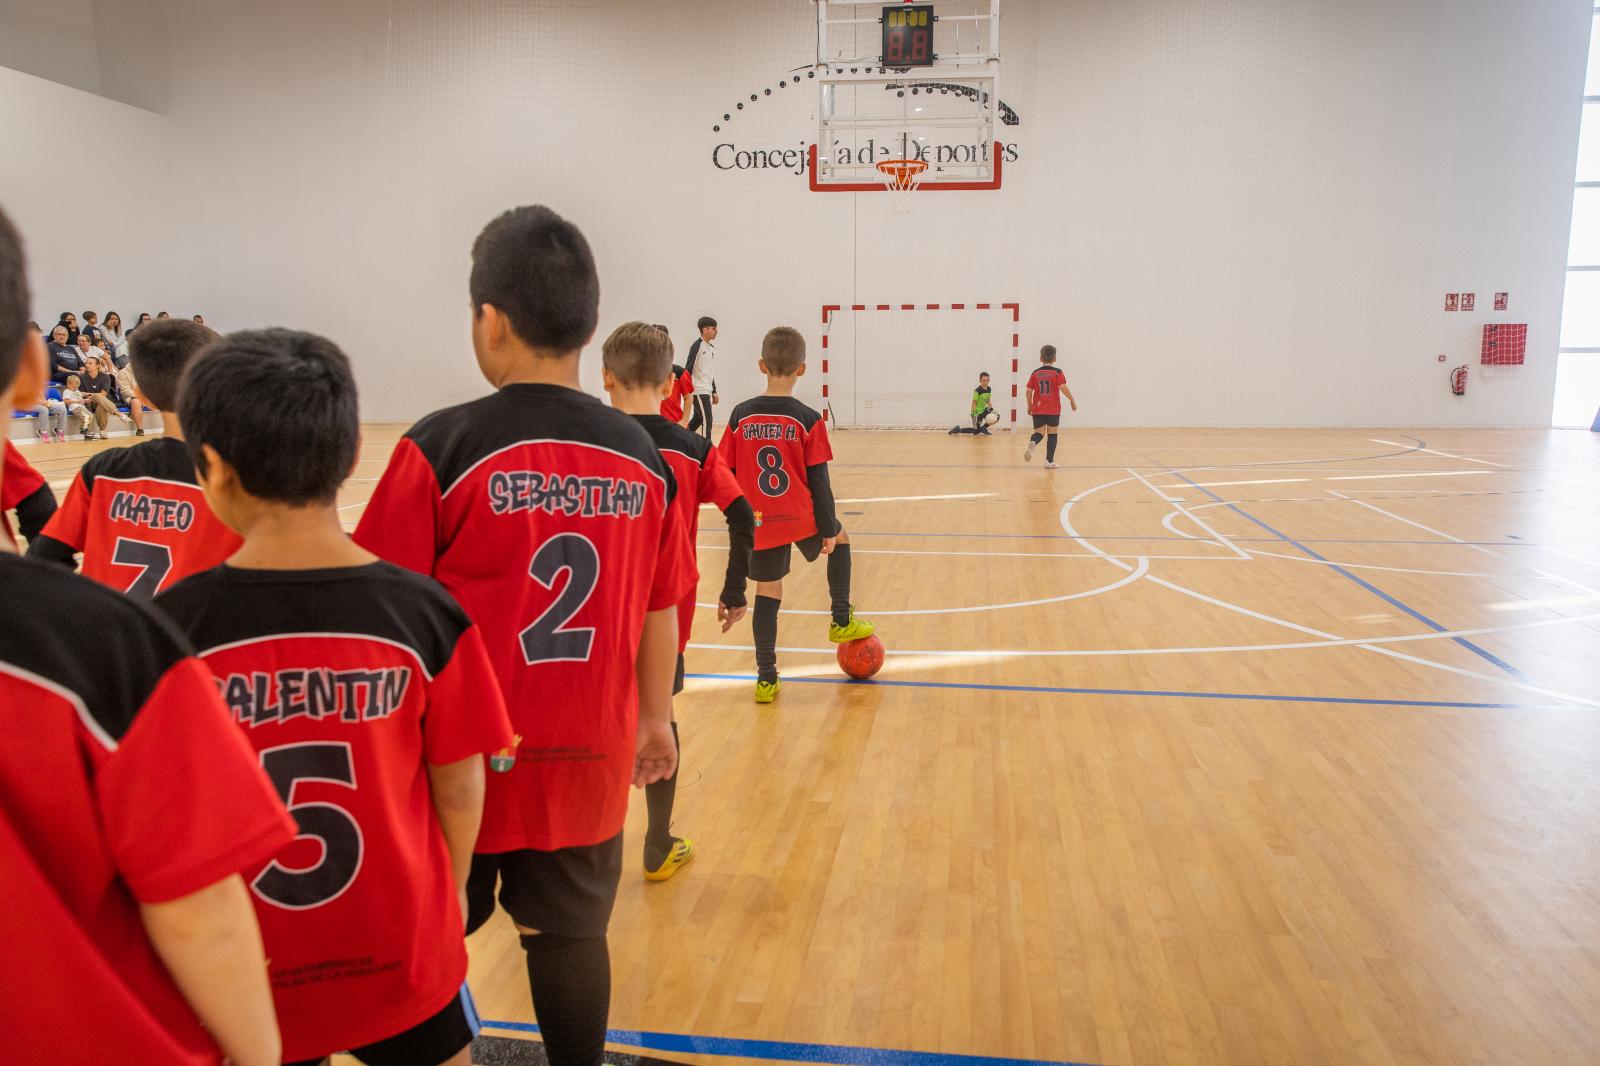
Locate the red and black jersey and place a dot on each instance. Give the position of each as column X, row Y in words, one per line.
column 769, row 443
column 682, row 385
column 702, row 477
column 121, row 782
column 139, row 519
column 547, row 515
column 23, row 490
column 349, row 683
column 1045, row 385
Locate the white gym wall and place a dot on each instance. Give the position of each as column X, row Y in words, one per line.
column 1242, row 212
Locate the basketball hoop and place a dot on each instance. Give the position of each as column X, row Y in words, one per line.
column 900, row 179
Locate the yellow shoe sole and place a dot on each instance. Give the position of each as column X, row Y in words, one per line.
column 681, row 855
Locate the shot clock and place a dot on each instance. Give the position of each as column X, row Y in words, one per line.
column 908, row 36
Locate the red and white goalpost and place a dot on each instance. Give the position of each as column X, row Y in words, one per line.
column 914, row 365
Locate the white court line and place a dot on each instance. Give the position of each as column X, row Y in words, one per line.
column 1177, row 505
column 1259, row 481
column 1427, row 473
column 856, row 549
column 1434, row 451
column 900, row 499
column 353, row 506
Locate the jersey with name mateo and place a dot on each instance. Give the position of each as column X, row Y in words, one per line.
column 1046, row 383
column 139, row 519
column 769, row 442
column 547, row 515
column 348, row 682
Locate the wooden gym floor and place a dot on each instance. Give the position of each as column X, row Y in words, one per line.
column 1211, row 746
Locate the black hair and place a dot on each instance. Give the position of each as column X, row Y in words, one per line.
column 162, row 314
column 13, row 301
column 637, row 353
column 662, row 328
column 105, row 318
column 783, row 349
column 1048, row 353
column 983, row 373
column 536, row 268
column 161, row 354
column 705, row 320
column 279, row 406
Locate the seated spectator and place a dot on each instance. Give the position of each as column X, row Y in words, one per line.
column 91, row 324
column 73, row 399
column 126, row 387
column 69, row 322
column 52, row 416
column 111, row 330
column 162, row 314
column 64, row 356
column 200, row 319
column 98, row 388
column 144, row 316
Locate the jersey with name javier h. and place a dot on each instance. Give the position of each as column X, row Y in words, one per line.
column 547, row 515
column 769, row 442
column 702, row 477
column 121, row 782
column 349, row 683
column 139, row 519
column 1046, row 384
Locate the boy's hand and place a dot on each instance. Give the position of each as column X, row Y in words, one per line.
column 827, row 545
column 655, row 756
column 715, row 399
column 729, row 615
column 1074, row 405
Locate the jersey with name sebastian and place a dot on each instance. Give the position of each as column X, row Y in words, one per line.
column 769, row 442
column 1046, row 384
column 702, row 477
column 139, row 519
column 349, row 683
column 18, row 481
column 547, row 515
column 121, row 782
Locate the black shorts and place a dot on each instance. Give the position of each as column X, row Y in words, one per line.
column 431, row 1041
column 1040, row 421
column 567, row 892
column 772, row 564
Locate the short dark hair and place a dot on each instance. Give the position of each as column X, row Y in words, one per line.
column 983, row 373
column 536, row 268
column 783, row 349
column 13, row 301
column 662, row 328
column 160, row 355
column 705, row 321
column 637, row 353
column 1048, row 353
column 279, row 406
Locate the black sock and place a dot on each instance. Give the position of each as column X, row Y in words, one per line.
column 658, row 800
column 481, row 882
column 1036, row 438
column 764, row 627
column 570, row 978
column 839, row 584
column 1050, row 448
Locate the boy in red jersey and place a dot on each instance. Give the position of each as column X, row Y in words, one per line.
column 26, row 493
column 130, row 805
column 637, row 369
column 1046, row 386
column 136, row 513
column 366, row 692
column 778, row 448
column 681, row 386
column 548, row 516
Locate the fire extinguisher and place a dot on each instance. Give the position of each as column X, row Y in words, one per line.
column 1458, row 381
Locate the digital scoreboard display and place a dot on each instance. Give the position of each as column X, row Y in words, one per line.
column 907, row 36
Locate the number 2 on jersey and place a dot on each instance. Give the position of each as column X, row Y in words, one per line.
column 549, row 640
column 329, row 824
column 773, row 479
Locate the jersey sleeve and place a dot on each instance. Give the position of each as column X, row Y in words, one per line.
column 21, row 479
column 729, row 447
column 70, row 524
column 401, row 520
column 466, row 713
column 183, row 800
column 717, row 484
column 818, row 448
column 676, row 574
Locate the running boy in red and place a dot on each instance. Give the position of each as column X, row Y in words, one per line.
column 778, row 449
column 1046, row 386
column 136, row 513
column 637, row 370
column 26, row 493
column 548, row 516
column 369, row 697
column 128, row 806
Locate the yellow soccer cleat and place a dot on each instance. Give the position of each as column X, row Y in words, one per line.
column 857, row 629
column 767, row 691
column 681, row 855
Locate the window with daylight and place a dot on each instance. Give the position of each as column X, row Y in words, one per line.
column 1577, row 401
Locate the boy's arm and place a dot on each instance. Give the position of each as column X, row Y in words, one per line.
column 1068, row 393
column 67, row 530
column 211, row 945
column 34, row 512
column 656, row 753
column 741, row 519
column 457, row 789
column 822, row 507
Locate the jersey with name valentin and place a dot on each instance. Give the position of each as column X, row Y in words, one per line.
column 121, row 782
column 546, row 514
column 139, row 519
column 1046, row 383
column 702, row 477
column 769, row 442
column 349, row 683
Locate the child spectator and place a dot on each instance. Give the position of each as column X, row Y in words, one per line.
column 72, row 399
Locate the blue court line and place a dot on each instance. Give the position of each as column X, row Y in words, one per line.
column 1482, row 653
column 786, row 1051
column 1268, row 697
